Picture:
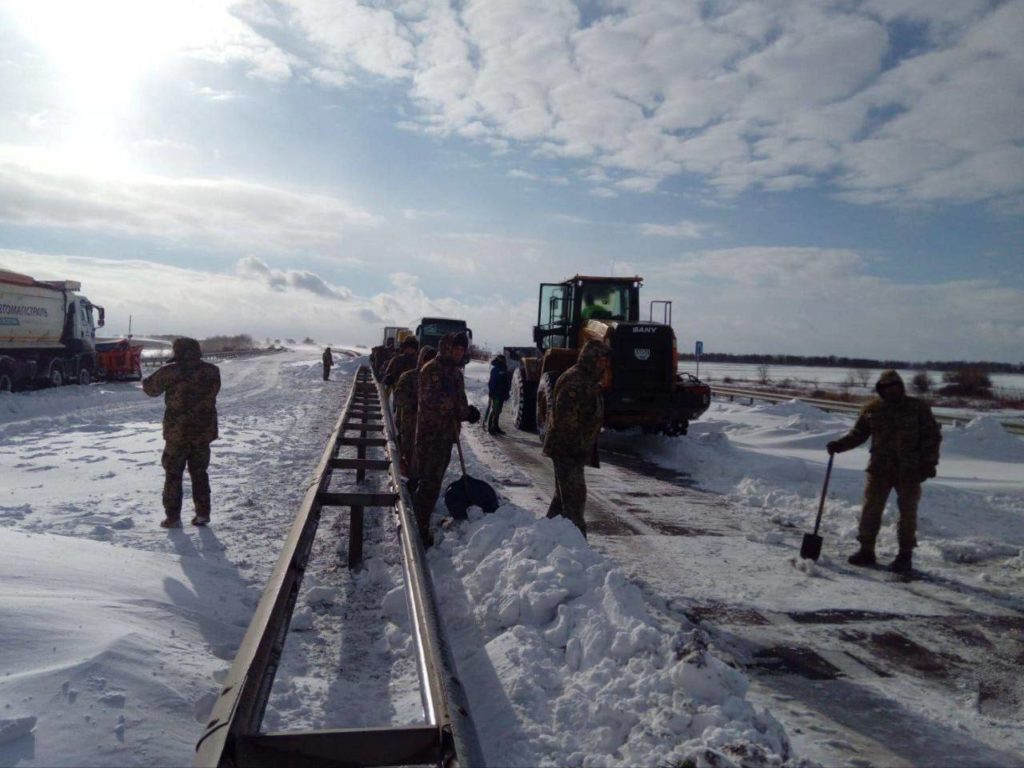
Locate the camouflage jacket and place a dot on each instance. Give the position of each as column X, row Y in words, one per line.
column 190, row 389
column 399, row 364
column 441, row 399
column 904, row 435
column 328, row 358
column 576, row 408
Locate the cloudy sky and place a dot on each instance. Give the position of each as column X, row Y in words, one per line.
column 805, row 177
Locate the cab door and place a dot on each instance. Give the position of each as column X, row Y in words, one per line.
column 553, row 316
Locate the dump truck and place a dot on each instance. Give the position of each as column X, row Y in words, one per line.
column 47, row 332
column 431, row 330
column 642, row 388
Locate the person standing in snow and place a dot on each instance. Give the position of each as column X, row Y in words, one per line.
column 404, row 361
column 328, row 360
column 380, row 357
column 575, row 420
column 405, row 394
column 905, row 440
column 190, row 389
column 498, row 386
column 441, row 406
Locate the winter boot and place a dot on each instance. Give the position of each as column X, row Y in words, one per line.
column 863, row 556
column 200, row 520
column 903, row 562
column 169, row 523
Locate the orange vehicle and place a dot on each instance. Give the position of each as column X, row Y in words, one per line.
column 119, row 360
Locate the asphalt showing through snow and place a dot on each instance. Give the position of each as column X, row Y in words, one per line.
column 845, row 684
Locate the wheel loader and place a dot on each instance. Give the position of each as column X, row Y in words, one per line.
column 642, row 387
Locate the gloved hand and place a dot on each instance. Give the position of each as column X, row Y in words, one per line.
column 474, row 415
column 832, row 447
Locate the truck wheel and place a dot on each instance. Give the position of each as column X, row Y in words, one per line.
column 523, row 397
column 677, row 428
column 545, row 394
column 84, row 377
column 56, row 376
column 6, row 382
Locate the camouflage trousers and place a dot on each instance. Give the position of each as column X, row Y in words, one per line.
column 876, row 493
column 196, row 456
column 570, row 493
column 327, row 372
column 430, row 463
column 407, row 443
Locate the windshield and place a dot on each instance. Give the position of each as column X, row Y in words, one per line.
column 608, row 301
column 441, row 327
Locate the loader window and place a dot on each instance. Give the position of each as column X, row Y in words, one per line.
column 609, row 301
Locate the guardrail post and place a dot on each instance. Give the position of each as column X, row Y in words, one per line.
column 355, row 537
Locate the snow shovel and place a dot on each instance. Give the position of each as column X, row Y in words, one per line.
column 468, row 492
column 810, row 549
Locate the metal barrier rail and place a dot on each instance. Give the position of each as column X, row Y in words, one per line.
column 447, row 737
column 1014, row 427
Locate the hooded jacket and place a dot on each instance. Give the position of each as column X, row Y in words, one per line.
column 577, row 408
column 499, row 383
column 405, row 394
column 190, row 389
column 904, row 434
column 399, row 364
column 441, row 398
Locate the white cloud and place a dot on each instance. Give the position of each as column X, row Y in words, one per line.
column 167, row 299
column 684, row 229
column 774, row 95
column 824, row 301
column 39, row 190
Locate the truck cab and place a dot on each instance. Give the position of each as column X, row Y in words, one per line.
column 431, row 330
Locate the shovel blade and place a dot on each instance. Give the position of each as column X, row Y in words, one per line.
column 810, row 549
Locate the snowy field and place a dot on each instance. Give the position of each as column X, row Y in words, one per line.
column 115, row 634
column 715, row 373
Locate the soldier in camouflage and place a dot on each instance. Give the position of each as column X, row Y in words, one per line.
column 190, row 389
column 404, row 395
column 575, row 420
column 328, row 361
column 404, row 361
column 383, row 356
column 441, row 406
column 905, row 441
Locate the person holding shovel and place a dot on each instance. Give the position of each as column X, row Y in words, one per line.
column 577, row 415
column 905, row 441
column 441, row 406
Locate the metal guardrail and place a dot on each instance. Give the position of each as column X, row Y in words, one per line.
column 447, row 736
column 1014, row 427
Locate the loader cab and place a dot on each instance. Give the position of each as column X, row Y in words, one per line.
column 565, row 307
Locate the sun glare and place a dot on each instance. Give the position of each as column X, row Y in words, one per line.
column 101, row 52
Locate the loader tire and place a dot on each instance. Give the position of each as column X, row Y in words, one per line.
column 545, row 396
column 524, row 401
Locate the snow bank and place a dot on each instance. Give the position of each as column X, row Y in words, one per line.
column 120, row 678
column 565, row 665
column 985, row 439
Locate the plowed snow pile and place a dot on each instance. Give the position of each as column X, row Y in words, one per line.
column 565, row 665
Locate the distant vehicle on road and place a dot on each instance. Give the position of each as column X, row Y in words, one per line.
column 47, row 332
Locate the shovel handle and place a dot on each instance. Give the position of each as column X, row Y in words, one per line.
column 462, row 463
column 824, row 490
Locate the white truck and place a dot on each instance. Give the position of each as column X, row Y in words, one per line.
column 47, row 332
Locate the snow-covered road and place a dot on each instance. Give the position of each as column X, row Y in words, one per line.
column 114, row 634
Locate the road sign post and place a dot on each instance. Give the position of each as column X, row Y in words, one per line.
column 698, row 350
